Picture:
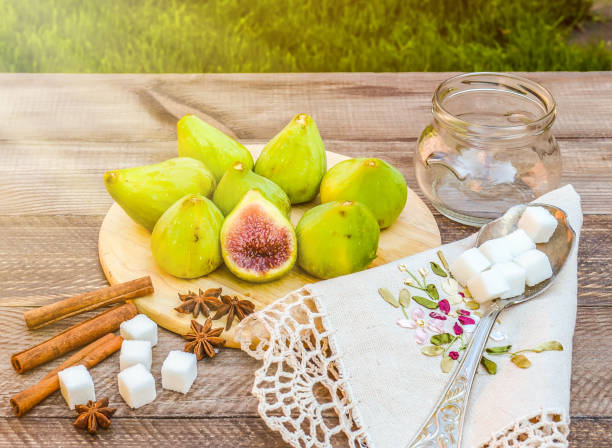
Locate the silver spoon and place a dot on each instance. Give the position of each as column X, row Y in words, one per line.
column 444, row 426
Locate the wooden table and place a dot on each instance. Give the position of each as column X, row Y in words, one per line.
column 59, row 133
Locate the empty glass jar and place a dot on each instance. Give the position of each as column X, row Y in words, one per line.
column 489, row 146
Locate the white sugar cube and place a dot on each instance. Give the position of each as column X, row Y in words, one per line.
column 536, row 265
column 496, row 250
column 136, row 386
column 179, row 371
column 134, row 352
column 538, row 223
column 76, row 385
column 487, row 285
column 515, row 277
column 468, row 264
column 519, row 242
column 139, row 328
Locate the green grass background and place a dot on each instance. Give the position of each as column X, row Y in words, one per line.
column 293, row 35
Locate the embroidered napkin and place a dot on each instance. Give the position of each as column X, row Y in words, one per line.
column 338, row 370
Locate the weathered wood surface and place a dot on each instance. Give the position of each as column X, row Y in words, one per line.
column 59, row 133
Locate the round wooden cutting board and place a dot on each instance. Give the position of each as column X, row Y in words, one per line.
column 125, row 254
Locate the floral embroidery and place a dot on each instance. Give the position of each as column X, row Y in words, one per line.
column 449, row 321
column 423, row 328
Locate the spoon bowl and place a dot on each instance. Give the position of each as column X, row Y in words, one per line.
column 557, row 249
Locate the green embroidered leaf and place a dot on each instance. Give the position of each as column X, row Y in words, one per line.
column 489, row 365
column 472, row 305
column 437, row 269
column 432, row 350
column 432, row 291
column 388, row 296
column 446, row 364
column 429, row 304
column 548, row 346
column 441, row 339
column 404, row 297
column 498, row 350
column 521, row 361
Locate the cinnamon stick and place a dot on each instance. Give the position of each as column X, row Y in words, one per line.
column 73, row 337
column 89, row 356
column 71, row 306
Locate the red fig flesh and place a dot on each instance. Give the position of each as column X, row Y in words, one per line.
column 258, row 243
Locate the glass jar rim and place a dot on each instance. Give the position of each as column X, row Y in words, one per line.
column 525, row 87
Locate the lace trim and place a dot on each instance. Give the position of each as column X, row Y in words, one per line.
column 301, row 388
column 546, row 429
column 304, row 393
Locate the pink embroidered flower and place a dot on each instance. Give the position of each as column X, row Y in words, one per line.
column 453, row 355
column 444, row 306
column 422, row 328
column 457, row 329
column 464, row 312
column 435, row 315
column 466, row 320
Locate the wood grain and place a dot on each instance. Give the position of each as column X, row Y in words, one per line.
column 61, row 132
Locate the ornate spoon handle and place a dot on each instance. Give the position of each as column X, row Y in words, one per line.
column 444, row 425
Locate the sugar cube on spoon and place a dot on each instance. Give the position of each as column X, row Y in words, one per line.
column 519, row 242
column 537, row 266
column 515, row 276
column 488, row 285
column 468, row 264
column 497, row 250
column 538, row 223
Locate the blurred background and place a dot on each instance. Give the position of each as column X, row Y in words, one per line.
column 157, row 36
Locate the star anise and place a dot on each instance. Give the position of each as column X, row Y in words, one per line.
column 203, row 301
column 234, row 307
column 94, row 414
column 203, row 339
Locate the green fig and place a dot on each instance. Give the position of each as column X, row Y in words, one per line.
column 145, row 192
column 258, row 243
column 238, row 180
column 217, row 151
column 185, row 240
column 295, row 159
column 373, row 182
column 337, row 238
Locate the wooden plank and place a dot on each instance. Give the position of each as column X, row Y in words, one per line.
column 71, row 172
column 206, row 432
column 62, row 252
column 129, row 432
column 223, row 385
column 392, row 106
column 590, row 433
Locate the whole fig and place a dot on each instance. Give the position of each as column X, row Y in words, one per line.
column 185, row 240
column 238, row 180
column 217, row 151
column 295, row 159
column 373, row 182
column 257, row 241
column 145, row 192
column 337, row 238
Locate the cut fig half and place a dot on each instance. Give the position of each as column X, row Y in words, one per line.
column 258, row 243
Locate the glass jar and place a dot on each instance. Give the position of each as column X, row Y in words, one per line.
column 489, row 146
